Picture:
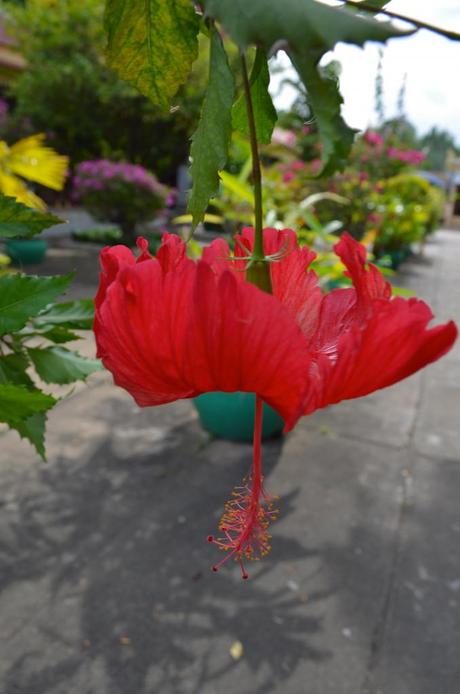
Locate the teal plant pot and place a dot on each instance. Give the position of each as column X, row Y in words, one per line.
column 394, row 257
column 26, row 251
column 231, row 416
column 333, row 284
column 398, row 256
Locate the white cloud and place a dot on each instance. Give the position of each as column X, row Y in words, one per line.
column 430, row 62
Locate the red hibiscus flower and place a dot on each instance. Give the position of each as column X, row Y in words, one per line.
column 169, row 328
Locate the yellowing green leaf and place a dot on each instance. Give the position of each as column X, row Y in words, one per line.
column 152, row 44
column 33, row 160
column 16, row 188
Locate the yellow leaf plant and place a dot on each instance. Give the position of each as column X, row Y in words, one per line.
column 32, row 160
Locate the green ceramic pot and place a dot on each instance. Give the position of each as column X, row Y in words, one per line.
column 26, row 251
column 395, row 256
column 333, row 284
column 231, row 416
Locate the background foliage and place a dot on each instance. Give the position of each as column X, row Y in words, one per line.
column 87, row 112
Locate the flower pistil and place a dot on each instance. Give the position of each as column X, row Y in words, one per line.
column 248, row 514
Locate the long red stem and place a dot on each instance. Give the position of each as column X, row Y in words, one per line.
column 256, row 450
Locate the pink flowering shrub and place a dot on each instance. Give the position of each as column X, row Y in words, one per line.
column 377, row 198
column 118, row 192
column 383, row 157
column 287, row 138
column 374, row 138
column 412, row 157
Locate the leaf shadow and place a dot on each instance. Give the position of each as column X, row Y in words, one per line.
column 123, row 538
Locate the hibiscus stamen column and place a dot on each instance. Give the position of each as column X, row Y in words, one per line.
column 247, row 515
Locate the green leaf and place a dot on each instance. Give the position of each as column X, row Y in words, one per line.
column 211, row 140
column 74, row 315
column 18, row 403
column 59, row 335
column 152, row 44
column 325, row 100
column 240, row 189
column 33, row 429
column 265, row 114
column 22, row 297
column 60, row 365
column 373, row 4
column 302, row 25
column 307, row 30
column 315, row 198
column 17, row 219
column 13, row 370
column 402, row 291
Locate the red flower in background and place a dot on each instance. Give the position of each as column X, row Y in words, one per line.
column 170, row 328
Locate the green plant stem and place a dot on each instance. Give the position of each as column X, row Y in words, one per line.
column 258, row 271
column 453, row 35
column 258, row 251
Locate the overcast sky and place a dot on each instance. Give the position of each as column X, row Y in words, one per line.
column 432, row 65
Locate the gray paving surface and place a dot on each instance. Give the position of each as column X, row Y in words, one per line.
column 105, row 580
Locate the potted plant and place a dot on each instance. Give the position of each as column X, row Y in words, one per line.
column 231, row 416
column 26, row 251
column 118, row 192
column 29, row 159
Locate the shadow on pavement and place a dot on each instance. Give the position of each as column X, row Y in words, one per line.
column 124, row 541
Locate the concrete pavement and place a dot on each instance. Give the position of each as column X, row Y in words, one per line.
column 105, row 579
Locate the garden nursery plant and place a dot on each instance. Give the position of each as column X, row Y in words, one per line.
column 253, row 317
column 118, row 192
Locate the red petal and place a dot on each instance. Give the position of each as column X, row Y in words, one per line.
column 394, row 344
column 297, row 288
column 293, row 285
column 143, row 246
column 369, row 283
column 172, row 252
column 337, row 315
column 112, row 260
column 217, row 256
column 170, row 335
column 274, row 239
